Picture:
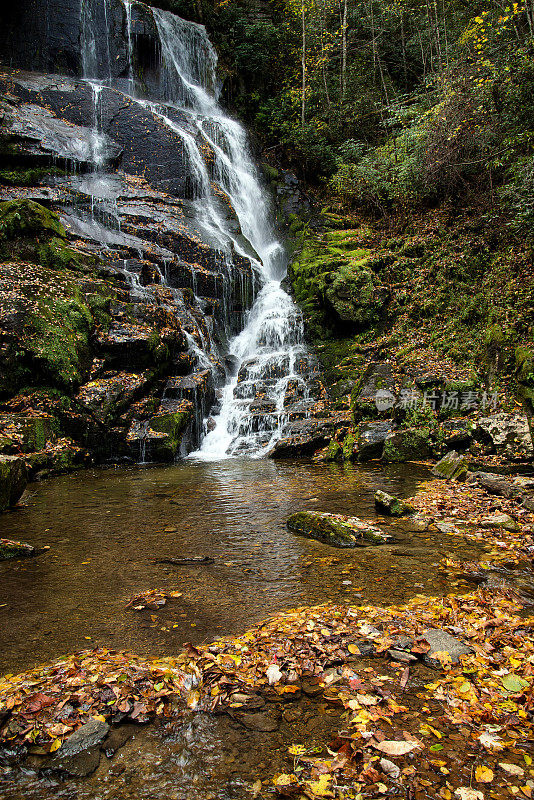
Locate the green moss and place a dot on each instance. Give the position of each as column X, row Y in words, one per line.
column 27, row 218
column 57, row 338
column 27, row 177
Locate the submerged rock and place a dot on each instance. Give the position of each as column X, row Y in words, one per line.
column 13, row 480
column 452, row 466
column 389, row 504
column 336, row 529
column 11, row 549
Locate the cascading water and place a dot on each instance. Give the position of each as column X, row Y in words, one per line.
column 268, row 355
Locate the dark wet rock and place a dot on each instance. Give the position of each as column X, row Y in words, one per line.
column 457, row 433
column 264, row 721
column 376, row 392
column 406, row 444
column 441, row 641
column 370, row 439
column 12, row 549
column 504, row 521
column 79, row 755
column 336, row 529
column 38, row 133
column 452, row 467
column 13, row 480
column 506, row 434
column 303, row 438
column 158, row 438
column 389, row 504
column 312, row 687
column 107, row 397
column 116, row 738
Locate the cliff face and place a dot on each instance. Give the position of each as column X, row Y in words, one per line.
column 116, row 300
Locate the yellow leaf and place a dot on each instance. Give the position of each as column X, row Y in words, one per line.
column 483, row 774
column 99, row 717
column 354, row 649
column 56, row 744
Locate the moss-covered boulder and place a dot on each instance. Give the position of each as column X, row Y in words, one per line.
column 27, row 218
column 13, row 480
column 389, row 504
column 159, row 438
column 11, row 549
column 406, row 444
column 336, row 530
column 452, row 467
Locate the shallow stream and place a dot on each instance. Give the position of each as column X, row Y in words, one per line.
column 107, row 527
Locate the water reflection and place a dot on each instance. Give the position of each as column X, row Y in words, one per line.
column 107, row 529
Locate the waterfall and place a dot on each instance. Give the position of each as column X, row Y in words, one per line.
column 268, row 355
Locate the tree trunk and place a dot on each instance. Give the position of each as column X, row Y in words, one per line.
column 303, row 105
column 344, row 51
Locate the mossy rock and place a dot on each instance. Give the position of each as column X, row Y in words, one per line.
column 28, row 218
column 171, row 425
column 336, row 529
column 394, row 506
column 408, row 444
column 13, row 480
column 451, row 467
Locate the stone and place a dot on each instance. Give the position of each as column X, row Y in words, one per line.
column 265, row 722
column 447, row 527
column 456, row 433
column 303, row 438
column 401, row 655
column 13, row 480
column 12, row 549
column 452, row 467
column 496, row 484
column 507, row 434
column 371, row 437
column 389, row 504
column 441, row 641
column 504, row 521
column 406, row 444
column 79, row 755
column 336, row 529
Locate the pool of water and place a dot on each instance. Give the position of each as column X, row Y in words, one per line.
column 106, row 528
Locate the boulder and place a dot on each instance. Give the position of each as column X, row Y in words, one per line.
column 79, row 755
column 457, row 433
column 389, row 504
column 336, row 529
column 506, row 434
column 303, row 438
column 11, row 549
column 13, row 480
column 442, row 642
column 504, row 521
column 452, row 466
column 406, row 444
column 496, row 484
column 371, row 437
